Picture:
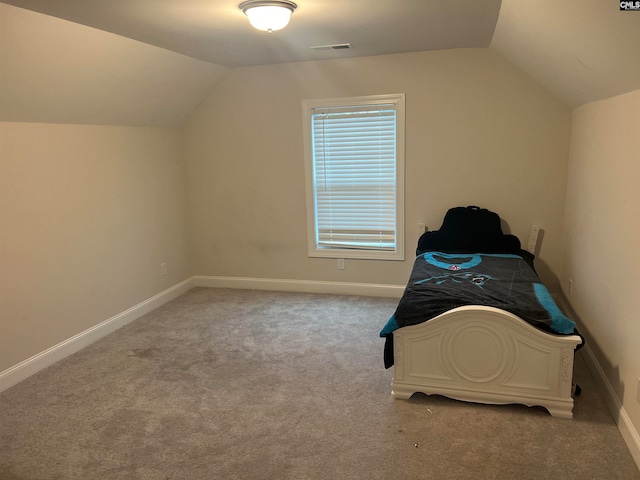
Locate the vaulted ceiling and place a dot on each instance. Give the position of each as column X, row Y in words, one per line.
column 580, row 50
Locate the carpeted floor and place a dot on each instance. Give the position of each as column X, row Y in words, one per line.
column 232, row 384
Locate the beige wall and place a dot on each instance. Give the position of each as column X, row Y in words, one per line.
column 602, row 238
column 87, row 214
column 478, row 133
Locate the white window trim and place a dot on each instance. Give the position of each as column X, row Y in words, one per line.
column 308, row 105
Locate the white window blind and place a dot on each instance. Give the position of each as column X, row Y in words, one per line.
column 354, row 176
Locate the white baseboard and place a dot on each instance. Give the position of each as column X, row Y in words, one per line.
column 32, row 365
column 304, row 286
column 626, row 427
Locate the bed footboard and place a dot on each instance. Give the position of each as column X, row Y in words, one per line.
column 485, row 355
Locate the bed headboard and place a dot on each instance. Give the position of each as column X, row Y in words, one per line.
column 470, row 229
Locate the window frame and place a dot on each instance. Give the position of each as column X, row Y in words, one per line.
column 398, row 100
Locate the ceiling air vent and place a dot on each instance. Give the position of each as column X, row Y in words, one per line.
column 337, row 46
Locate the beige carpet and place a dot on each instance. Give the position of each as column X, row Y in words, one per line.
column 231, row 384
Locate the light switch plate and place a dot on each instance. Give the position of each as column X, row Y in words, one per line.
column 533, row 239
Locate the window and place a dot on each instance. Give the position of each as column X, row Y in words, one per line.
column 354, row 152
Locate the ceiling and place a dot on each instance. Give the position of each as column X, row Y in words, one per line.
column 217, row 31
column 581, row 50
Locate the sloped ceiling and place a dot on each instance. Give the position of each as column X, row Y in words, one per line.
column 54, row 71
column 150, row 62
column 581, row 50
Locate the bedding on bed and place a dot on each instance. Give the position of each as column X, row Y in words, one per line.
column 441, row 281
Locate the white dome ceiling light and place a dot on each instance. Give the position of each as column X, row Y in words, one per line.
column 268, row 16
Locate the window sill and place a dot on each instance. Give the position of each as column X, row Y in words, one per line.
column 356, row 254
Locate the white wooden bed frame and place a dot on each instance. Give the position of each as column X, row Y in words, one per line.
column 485, row 355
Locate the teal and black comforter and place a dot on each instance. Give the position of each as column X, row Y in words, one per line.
column 441, row 281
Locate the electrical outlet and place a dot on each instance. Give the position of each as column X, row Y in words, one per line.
column 421, row 228
column 341, row 264
column 163, row 269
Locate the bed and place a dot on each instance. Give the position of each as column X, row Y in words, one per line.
column 475, row 323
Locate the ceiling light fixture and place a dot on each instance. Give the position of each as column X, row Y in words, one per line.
column 268, row 16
